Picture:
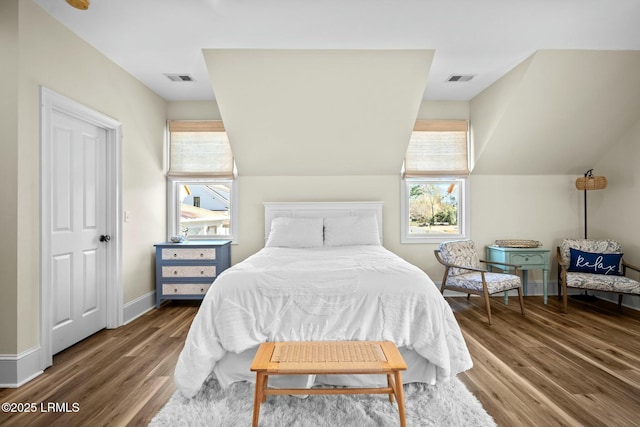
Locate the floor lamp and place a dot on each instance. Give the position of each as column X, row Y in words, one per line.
column 79, row 4
column 587, row 183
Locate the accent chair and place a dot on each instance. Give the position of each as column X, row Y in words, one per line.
column 595, row 265
column 463, row 273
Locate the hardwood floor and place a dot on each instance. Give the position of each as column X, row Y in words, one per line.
column 544, row 369
column 552, row 369
column 117, row 377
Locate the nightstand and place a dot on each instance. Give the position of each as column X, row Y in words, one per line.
column 186, row 270
column 526, row 258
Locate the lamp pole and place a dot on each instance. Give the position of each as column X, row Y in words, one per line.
column 586, row 174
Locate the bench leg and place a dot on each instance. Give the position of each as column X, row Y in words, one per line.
column 391, row 386
column 265, row 384
column 400, row 398
column 259, row 397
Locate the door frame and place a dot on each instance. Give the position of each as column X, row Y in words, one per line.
column 51, row 101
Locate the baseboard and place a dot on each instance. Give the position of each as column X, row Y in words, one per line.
column 18, row 369
column 139, row 306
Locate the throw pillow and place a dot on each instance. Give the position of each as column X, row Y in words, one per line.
column 595, row 263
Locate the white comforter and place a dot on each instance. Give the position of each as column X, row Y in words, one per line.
column 342, row 293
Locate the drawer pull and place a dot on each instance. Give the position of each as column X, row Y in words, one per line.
column 201, row 255
column 201, row 289
column 175, row 290
column 201, row 271
column 175, row 272
column 175, row 255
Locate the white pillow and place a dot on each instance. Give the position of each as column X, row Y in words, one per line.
column 351, row 230
column 295, row 232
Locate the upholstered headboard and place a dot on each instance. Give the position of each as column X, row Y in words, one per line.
column 320, row 209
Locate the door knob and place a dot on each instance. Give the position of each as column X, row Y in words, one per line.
column 105, row 238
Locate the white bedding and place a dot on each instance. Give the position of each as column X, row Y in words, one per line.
column 324, row 293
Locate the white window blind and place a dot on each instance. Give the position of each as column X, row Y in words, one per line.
column 199, row 149
column 438, row 147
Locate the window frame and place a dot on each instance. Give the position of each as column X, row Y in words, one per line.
column 173, row 206
column 463, row 210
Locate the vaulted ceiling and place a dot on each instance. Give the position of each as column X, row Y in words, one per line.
column 487, row 38
column 307, row 88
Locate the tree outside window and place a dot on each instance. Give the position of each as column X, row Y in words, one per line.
column 434, row 208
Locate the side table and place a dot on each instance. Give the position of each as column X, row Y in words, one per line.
column 186, row 270
column 526, row 259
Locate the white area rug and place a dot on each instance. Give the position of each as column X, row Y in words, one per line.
column 444, row 405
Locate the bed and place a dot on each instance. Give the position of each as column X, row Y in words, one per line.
column 322, row 275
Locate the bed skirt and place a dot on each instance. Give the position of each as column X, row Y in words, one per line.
column 234, row 367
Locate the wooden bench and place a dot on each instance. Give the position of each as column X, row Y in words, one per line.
column 328, row 358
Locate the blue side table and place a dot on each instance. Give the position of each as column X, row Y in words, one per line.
column 526, row 258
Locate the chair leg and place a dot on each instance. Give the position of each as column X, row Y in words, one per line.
column 565, row 297
column 620, row 302
column 487, row 303
column 444, row 280
column 521, row 301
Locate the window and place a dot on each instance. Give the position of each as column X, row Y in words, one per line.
column 435, row 183
column 201, row 182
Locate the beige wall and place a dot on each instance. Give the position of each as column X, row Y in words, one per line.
column 193, row 110
column 254, row 190
column 613, row 212
column 52, row 56
column 318, row 112
column 8, row 175
column 556, row 113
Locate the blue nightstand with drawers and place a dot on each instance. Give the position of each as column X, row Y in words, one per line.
column 185, row 271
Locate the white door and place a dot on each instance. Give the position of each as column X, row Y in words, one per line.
column 77, row 259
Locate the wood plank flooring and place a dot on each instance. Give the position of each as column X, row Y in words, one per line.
column 117, row 377
column 552, row 369
column 543, row 369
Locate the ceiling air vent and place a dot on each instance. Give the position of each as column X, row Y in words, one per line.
column 460, row 77
column 180, row 77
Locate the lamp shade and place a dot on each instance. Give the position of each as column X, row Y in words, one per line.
column 79, row 4
column 591, row 183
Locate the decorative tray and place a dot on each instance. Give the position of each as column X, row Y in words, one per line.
column 518, row 243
